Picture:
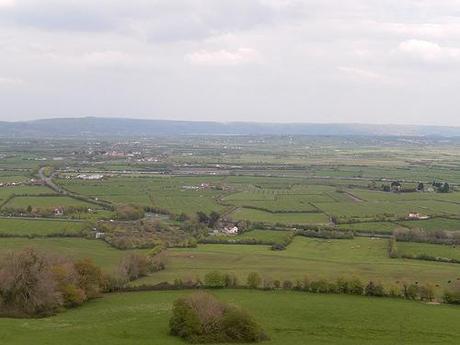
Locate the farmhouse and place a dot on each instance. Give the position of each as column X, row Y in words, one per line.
column 416, row 215
column 230, row 230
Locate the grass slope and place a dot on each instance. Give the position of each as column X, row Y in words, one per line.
column 289, row 318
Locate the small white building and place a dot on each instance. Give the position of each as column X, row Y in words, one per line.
column 416, row 215
column 231, row 230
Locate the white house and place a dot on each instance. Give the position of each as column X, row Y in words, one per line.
column 231, row 230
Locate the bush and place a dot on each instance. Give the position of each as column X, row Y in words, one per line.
column 202, row 318
column 374, row 289
column 214, row 280
column 254, row 280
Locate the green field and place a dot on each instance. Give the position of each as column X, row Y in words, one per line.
column 103, row 255
column 267, row 236
column 361, row 257
column 38, row 227
column 46, row 202
column 288, row 317
column 436, row 250
column 6, row 192
column 281, row 218
column 371, row 227
column 434, row 224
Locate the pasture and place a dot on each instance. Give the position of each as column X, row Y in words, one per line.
column 285, row 218
column 38, row 227
column 288, row 318
column 317, row 258
column 21, row 202
column 435, row 250
column 100, row 252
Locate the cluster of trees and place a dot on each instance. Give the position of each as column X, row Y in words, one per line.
column 144, row 234
column 129, row 212
column 441, row 187
column 37, row 284
column 202, row 318
column 210, row 220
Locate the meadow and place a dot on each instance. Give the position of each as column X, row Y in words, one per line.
column 38, row 227
column 435, row 250
column 100, row 252
column 288, row 317
column 316, row 258
column 46, row 202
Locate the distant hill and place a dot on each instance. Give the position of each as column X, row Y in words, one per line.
column 122, row 127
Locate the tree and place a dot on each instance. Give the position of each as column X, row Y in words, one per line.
column 90, row 277
column 254, row 280
column 420, row 187
column 26, row 284
column 213, row 219
column 133, row 266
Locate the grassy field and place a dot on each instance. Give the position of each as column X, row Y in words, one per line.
column 46, row 202
column 38, row 227
column 370, row 227
column 434, row 224
column 260, row 235
column 281, row 218
column 362, row 257
column 6, row 192
column 288, row 317
column 105, row 256
column 437, row 250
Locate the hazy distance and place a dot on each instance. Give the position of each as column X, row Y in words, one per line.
column 315, row 61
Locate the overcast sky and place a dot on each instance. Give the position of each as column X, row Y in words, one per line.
column 371, row 61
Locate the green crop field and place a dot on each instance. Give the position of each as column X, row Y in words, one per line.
column 46, row 202
column 288, row 318
column 105, row 256
column 38, row 227
column 362, row 257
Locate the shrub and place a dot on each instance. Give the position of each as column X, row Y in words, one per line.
column 452, row 296
column 133, row 266
column 356, row 287
column 374, row 289
column 202, row 318
column 214, row 280
column 254, row 280
column 287, row 285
